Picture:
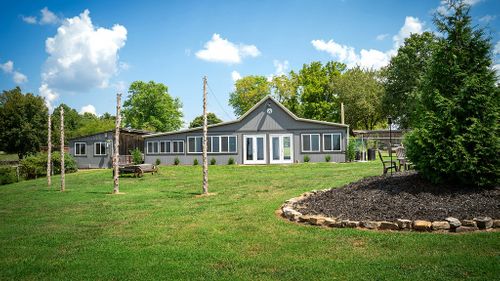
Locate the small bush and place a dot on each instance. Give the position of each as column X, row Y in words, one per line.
column 328, row 158
column 351, row 149
column 213, row 161
column 7, row 175
column 158, row 162
column 136, row 156
column 195, row 162
column 230, row 161
column 35, row 165
column 177, row 161
column 306, row 158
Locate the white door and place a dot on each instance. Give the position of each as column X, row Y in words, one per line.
column 281, row 148
column 254, row 149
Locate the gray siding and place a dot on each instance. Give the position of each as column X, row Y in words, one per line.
column 90, row 160
column 258, row 121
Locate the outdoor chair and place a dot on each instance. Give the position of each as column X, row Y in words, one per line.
column 403, row 161
column 388, row 164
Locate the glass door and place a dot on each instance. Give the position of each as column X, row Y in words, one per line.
column 281, row 148
column 254, row 149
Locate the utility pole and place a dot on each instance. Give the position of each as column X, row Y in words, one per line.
column 49, row 151
column 342, row 113
column 63, row 183
column 205, row 160
column 116, row 175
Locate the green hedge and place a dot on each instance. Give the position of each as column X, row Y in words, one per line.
column 7, row 175
column 34, row 166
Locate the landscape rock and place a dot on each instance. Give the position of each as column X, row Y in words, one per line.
column 440, row 225
column 387, row 225
column 484, row 222
column 317, row 220
column 329, row 222
column 304, row 218
column 351, row 224
column 370, row 224
column 421, row 225
column 462, row 229
column 337, row 224
column 496, row 223
column 454, row 222
column 404, row 224
column 469, row 223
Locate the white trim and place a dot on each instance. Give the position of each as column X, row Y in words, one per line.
column 80, row 142
column 254, row 146
column 157, row 146
column 281, row 153
column 168, row 145
column 211, row 143
column 178, row 152
column 100, row 142
column 340, row 142
column 310, row 142
column 194, row 137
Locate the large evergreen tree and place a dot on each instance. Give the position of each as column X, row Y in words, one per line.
column 458, row 134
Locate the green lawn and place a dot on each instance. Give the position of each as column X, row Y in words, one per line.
column 159, row 229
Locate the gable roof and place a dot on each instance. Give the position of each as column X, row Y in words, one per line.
column 248, row 113
column 122, row 130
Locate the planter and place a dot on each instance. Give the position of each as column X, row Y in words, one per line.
column 371, row 154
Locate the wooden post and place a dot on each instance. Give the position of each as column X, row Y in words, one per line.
column 116, row 148
column 63, row 183
column 49, row 151
column 205, row 160
column 342, row 113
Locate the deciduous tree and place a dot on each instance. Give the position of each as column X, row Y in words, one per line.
column 198, row 120
column 248, row 91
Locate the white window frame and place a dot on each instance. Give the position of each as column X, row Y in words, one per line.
column 167, row 144
column 332, row 134
column 194, row 137
column 210, row 149
column 157, row 145
column 310, row 142
column 80, row 142
column 172, row 147
column 101, row 154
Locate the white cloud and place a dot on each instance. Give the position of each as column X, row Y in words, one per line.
column 224, row 51
column 370, row 58
column 48, row 94
column 281, row 67
column 120, row 86
column 496, row 50
column 382, row 37
column 235, row 75
column 88, row 109
column 17, row 77
column 81, row 56
column 7, row 67
column 487, row 18
column 29, row 19
column 48, row 17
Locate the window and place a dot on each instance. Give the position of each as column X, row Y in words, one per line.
column 99, row 148
column 152, row 147
column 80, row 148
column 310, row 142
column 164, row 147
column 331, row 142
column 215, row 144
column 178, row 146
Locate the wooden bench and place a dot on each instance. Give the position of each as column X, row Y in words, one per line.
column 388, row 164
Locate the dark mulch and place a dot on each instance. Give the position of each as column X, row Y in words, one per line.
column 404, row 195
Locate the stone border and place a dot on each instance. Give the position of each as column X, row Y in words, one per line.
column 447, row 225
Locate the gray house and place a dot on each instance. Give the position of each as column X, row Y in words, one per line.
column 96, row 151
column 267, row 134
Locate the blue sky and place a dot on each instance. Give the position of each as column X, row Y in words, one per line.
column 82, row 53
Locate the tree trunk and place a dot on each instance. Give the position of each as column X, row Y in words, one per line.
column 63, row 183
column 205, row 160
column 116, row 148
column 49, row 151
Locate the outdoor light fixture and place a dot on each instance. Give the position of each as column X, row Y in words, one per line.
column 269, row 109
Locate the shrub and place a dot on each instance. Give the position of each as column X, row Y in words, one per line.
column 195, row 162
column 328, row 158
column 351, row 149
column 136, row 156
column 177, row 161
column 306, row 158
column 7, row 175
column 230, row 161
column 213, row 161
column 158, row 162
column 35, row 165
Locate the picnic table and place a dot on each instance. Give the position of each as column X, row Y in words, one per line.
column 138, row 170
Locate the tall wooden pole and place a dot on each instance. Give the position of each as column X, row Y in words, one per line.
column 205, row 160
column 49, row 151
column 116, row 148
column 342, row 121
column 63, row 183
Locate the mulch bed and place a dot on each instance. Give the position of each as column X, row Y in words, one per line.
column 402, row 196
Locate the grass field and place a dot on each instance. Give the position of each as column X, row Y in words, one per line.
column 160, row 229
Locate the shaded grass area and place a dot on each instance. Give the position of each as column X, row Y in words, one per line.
column 160, row 229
